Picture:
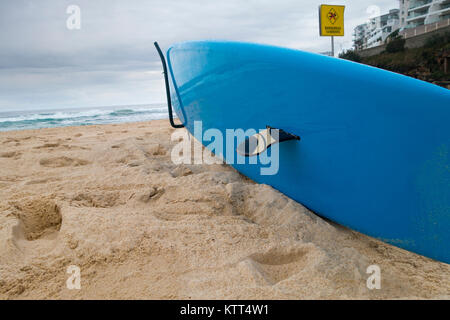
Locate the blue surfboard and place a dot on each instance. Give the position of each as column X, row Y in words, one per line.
column 373, row 147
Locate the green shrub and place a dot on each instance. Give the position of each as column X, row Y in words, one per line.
column 397, row 44
column 437, row 41
column 439, row 75
column 393, row 35
column 415, row 62
column 350, row 55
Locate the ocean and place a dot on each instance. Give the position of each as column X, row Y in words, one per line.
column 35, row 119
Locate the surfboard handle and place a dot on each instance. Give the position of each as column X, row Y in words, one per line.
column 166, row 80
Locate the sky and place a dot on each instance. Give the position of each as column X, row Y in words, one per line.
column 110, row 59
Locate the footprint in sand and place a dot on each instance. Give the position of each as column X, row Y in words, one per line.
column 38, row 217
column 24, row 138
column 9, row 140
column 59, row 162
column 97, row 200
column 152, row 194
column 156, row 150
column 10, row 154
column 279, row 264
column 73, row 147
column 48, row 145
column 181, row 171
column 41, row 181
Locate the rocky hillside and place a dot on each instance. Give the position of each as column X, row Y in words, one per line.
column 430, row 63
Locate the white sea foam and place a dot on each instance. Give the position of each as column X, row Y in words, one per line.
column 56, row 118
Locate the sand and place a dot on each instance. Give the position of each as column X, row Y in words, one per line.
column 109, row 200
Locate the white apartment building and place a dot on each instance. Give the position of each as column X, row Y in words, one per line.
column 414, row 13
column 376, row 30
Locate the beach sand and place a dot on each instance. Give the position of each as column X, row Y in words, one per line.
column 109, row 200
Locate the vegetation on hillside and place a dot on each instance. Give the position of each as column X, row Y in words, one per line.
column 395, row 43
column 351, row 55
column 426, row 63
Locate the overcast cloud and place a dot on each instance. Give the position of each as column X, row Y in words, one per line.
column 111, row 59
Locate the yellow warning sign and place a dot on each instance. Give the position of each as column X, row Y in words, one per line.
column 331, row 20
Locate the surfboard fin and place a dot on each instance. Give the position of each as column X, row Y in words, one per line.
column 260, row 142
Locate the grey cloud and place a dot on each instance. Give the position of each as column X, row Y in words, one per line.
column 112, row 60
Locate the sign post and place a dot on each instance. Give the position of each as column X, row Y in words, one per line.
column 332, row 46
column 331, row 18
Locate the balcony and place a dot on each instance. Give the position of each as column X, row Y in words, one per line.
column 444, row 6
column 419, row 4
column 418, row 18
column 411, row 25
column 416, row 15
column 391, row 22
